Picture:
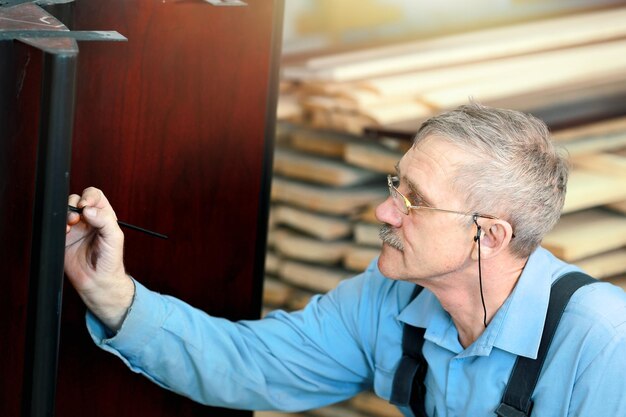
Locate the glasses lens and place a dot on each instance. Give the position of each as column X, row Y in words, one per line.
column 398, row 200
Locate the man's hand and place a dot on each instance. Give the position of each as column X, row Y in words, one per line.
column 94, row 248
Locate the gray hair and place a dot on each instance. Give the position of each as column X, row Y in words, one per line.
column 513, row 170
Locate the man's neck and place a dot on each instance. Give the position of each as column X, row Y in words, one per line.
column 460, row 295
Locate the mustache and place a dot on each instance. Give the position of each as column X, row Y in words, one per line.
column 388, row 236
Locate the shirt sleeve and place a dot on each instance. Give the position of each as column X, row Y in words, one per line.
column 286, row 361
column 600, row 388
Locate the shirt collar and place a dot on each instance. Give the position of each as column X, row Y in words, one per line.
column 427, row 312
column 516, row 327
column 524, row 312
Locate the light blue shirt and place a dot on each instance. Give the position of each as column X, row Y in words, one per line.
column 349, row 340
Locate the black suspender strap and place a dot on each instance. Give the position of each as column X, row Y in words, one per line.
column 408, row 382
column 408, row 387
column 517, row 401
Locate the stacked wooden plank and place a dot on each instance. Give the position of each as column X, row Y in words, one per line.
column 509, row 66
column 596, row 201
column 330, row 175
column 317, row 198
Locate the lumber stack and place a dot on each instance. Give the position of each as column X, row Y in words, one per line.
column 518, row 66
column 323, row 227
column 330, row 170
column 317, row 200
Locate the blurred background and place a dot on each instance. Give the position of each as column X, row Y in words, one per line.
column 320, row 25
column 358, row 78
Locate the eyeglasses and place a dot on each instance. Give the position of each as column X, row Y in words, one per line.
column 403, row 204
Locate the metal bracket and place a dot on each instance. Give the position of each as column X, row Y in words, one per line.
column 11, row 3
column 227, row 2
column 79, row 35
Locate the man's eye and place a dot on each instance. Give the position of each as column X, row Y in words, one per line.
column 415, row 199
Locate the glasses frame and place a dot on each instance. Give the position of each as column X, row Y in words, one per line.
column 408, row 206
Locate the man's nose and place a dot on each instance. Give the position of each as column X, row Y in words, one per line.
column 386, row 212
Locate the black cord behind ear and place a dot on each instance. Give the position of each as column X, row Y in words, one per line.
column 480, row 275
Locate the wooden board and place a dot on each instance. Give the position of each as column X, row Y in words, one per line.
column 320, row 142
column 512, row 82
column 529, row 33
column 392, row 112
column 586, row 189
column 372, row 156
column 367, row 234
column 368, row 214
column 571, row 106
column 317, row 169
column 594, row 144
column 605, row 264
column 620, row 281
column 619, row 207
column 324, row 199
column 358, row 258
column 592, row 130
column 289, row 108
column 613, row 165
column 583, row 234
column 296, row 246
column 412, row 85
column 570, row 70
column 299, row 299
column 370, row 403
column 276, row 293
column 312, row 277
column 334, row 411
column 321, row 226
column 468, row 47
column 272, row 262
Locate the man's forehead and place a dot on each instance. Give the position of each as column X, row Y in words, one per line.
column 431, row 156
column 430, row 168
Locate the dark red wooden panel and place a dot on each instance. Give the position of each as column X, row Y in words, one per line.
column 20, row 81
column 171, row 125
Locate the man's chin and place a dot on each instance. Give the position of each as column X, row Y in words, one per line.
column 386, row 263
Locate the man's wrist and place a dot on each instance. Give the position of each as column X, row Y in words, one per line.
column 113, row 308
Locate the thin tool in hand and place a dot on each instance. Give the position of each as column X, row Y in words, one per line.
column 123, row 224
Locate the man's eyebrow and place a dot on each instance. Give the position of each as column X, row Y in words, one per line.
column 412, row 186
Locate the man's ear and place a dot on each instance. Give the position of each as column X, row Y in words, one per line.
column 495, row 236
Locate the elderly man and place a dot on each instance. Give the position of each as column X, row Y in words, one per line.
column 469, row 205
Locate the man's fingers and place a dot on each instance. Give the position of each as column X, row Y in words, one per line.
column 92, row 196
column 72, row 218
column 103, row 219
column 96, row 211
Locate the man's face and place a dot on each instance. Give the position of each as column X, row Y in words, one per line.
column 427, row 244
